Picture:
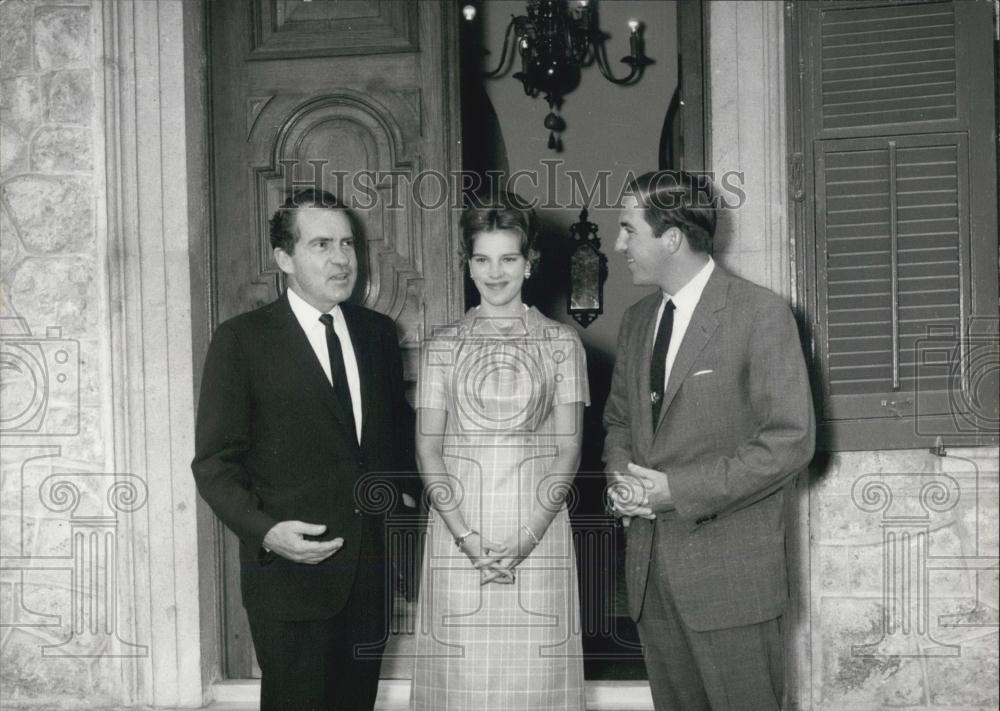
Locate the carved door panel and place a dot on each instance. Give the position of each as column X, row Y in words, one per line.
column 360, row 97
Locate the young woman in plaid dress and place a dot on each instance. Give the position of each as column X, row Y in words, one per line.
column 500, row 406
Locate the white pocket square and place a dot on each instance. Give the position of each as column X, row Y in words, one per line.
column 703, row 372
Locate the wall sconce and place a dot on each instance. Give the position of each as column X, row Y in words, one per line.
column 588, row 269
column 555, row 40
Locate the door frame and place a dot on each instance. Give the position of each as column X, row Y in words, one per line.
column 693, row 30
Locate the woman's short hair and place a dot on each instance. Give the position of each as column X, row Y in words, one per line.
column 672, row 198
column 283, row 229
column 500, row 211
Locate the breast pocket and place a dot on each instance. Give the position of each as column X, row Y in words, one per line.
column 710, row 398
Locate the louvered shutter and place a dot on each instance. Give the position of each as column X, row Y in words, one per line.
column 904, row 203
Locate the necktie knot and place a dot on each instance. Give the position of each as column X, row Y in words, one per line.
column 327, row 320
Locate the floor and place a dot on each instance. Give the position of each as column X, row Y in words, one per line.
column 394, row 696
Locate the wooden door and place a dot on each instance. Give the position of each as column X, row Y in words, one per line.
column 361, row 97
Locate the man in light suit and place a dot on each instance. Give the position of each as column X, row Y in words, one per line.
column 300, row 400
column 709, row 418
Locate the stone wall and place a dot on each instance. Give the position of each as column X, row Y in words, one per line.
column 93, row 608
column 55, row 439
column 904, row 586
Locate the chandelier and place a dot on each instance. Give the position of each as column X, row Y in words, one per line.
column 555, row 40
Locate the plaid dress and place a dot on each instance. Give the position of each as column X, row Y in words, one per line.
column 500, row 646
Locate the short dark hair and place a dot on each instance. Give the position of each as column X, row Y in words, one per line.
column 500, row 211
column 672, row 198
column 283, row 231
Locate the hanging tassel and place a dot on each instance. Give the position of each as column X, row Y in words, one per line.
column 554, row 122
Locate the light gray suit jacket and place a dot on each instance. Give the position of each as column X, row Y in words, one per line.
column 735, row 427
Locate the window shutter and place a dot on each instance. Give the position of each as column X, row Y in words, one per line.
column 903, row 206
column 887, row 65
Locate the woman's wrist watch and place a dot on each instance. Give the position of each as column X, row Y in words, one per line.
column 460, row 539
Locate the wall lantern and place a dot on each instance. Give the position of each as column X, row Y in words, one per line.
column 588, row 269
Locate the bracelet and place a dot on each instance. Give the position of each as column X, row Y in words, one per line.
column 459, row 540
column 531, row 534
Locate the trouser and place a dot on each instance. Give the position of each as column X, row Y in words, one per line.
column 328, row 664
column 735, row 669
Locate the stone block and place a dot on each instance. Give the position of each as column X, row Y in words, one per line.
column 826, row 478
column 10, row 250
column 92, row 382
column 57, row 291
column 69, row 96
column 851, row 681
column 832, row 571
column 62, row 36
column 20, row 104
column 838, row 520
column 88, row 445
column 52, row 213
column 61, row 149
column 843, row 469
column 15, row 38
column 17, row 483
column 957, row 620
column 5, row 308
column 980, row 516
column 39, row 533
column 950, row 577
column 13, row 152
column 968, row 681
column 31, row 680
column 866, row 564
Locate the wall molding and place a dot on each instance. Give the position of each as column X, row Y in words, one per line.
column 748, row 133
column 149, row 309
column 747, row 100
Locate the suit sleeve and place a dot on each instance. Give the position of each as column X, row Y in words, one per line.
column 223, row 439
column 405, row 421
column 782, row 445
column 617, row 423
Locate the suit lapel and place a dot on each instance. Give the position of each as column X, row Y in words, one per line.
column 301, row 351
column 365, row 348
column 699, row 332
column 648, row 320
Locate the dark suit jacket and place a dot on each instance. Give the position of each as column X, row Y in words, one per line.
column 272, row 445
column 735, row 426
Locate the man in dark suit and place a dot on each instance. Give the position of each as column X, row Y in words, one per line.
column 300, row 400
column 709, row 418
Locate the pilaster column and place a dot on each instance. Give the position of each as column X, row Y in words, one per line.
column 148, row 291
column 747, row 106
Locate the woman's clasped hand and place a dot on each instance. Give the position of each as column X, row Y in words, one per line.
column 496, row 562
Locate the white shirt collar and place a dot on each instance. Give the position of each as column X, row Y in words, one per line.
column 307, row 314
column 688, row 296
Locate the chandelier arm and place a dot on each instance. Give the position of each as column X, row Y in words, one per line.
column 601, row 55
column 502, row 67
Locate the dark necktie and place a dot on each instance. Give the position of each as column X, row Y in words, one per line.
column 658, row 363
column 341, row 390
